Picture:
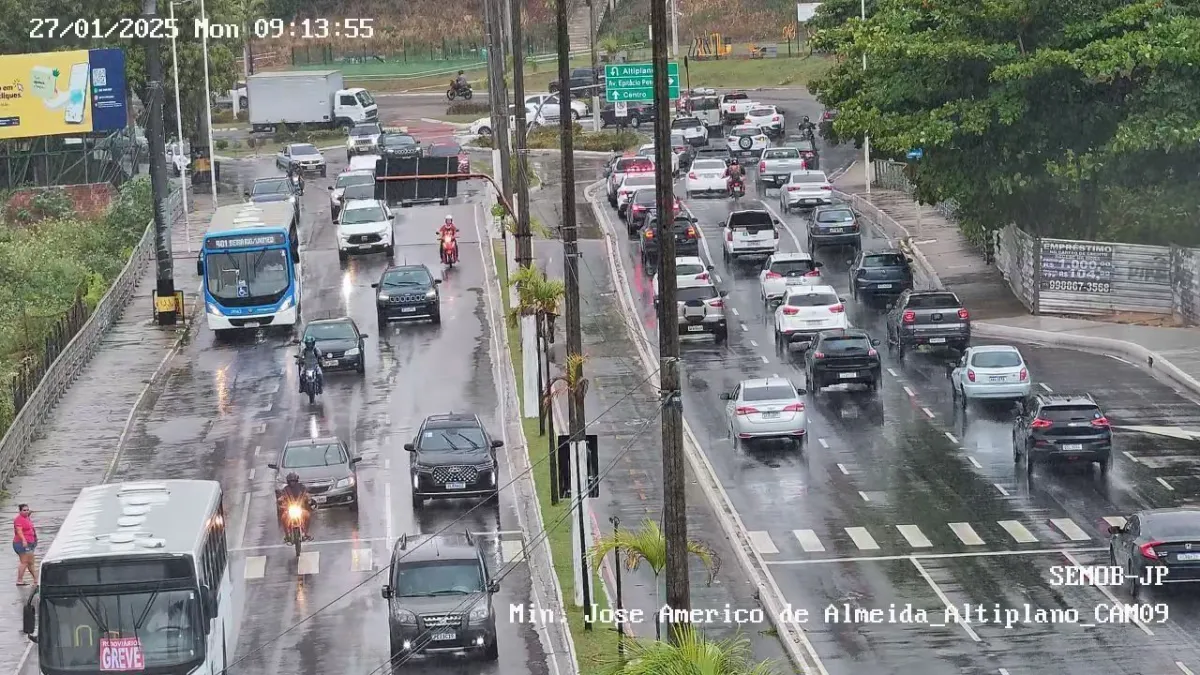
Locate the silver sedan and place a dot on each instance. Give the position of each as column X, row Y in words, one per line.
column 766, row 408
column 994, row 372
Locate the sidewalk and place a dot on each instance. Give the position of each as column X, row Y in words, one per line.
column 944, row 258
column 78, row 443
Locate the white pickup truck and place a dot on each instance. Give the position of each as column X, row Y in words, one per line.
column 734, row 107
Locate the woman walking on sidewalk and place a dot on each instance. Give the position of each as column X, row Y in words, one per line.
column 24, row 543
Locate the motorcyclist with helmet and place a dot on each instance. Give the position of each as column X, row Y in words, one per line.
column 448, row 228
column 295, row 492
column 460, row 82
column 310, row 357
column 807, row 128
column 736, row 173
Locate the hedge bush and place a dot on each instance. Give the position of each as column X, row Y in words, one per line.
column 468, row 108
column 548, row 138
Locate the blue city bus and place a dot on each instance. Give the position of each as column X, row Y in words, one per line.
column 250, row 265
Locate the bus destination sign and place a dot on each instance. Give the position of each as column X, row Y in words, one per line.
column 245, row 241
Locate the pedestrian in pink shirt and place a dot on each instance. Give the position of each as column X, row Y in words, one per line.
column 24, row 543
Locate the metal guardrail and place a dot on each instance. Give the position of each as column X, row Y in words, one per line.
column 79, row 351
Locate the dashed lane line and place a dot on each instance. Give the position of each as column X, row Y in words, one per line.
column 910, row 392
column 952, row 437
column 1043, row 385
column 1001, row 489
column 1165, row 484
column 745, row 328
column 1183, row 668
column 1106, row 593
column 764, row 359
column 843, row 469
column 928, row 412
column 824, row 443
column 1130, row 456
column 937, row 590
column 864, row 496
column 974, row 462
column 893, row 373
column 753, row 343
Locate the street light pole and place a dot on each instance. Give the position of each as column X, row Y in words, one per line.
column 866, row 137
column 187, row 224
column 166, row 313
column 212, row 158
column 674, row 30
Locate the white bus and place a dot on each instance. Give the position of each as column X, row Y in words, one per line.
column 138, row 579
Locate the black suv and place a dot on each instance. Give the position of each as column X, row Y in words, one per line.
column 453, row 457
column 1055, row 428
column 880, row 274
column 408, row 292
column 439, row 596
column 844, row 356
column 339, row 342
column 635, row 114
column 687, row 238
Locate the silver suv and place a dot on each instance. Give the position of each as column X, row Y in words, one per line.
column 702, row 311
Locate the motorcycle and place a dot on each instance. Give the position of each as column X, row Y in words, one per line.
column 294, row 525
column 449, row 250
column 310, row 382
column 461, row 92
column 807, row 132
column 737, row 187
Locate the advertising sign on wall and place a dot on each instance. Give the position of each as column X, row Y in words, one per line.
column 1079, row 266
column 59, row 93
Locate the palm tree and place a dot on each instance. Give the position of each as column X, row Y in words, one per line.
column 610, row 46
column 648, row 544
column 690, row 654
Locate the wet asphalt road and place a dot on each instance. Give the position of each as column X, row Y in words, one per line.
column 902, row 500
column 230, row 405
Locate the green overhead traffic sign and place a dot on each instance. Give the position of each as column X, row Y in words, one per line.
column 634, row 82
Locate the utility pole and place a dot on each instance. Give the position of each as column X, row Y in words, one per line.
column 674, row 496
column 575, row 419
column 595, row 66
column 156, row 135
column 866, row 137
column 674, row 30
column 524, row 237
column 496, row 91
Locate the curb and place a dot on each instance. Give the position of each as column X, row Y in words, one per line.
column 791, row 635
column 456, row 125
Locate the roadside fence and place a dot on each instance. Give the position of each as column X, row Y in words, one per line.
column 1084, row 278
column 70, row 346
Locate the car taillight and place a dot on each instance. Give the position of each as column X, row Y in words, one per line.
column 813, row 273
column 970, row 375
column 774, row 275
column 791, row 311
column 795, row 407
column 826, row 187
column 729, row 236
column 691, row 232
column 638, row 208
column 964, row 314
column 746, row 410
column 649, row 233
column 1148, row 551
column 872, row 352
column 1101, row 423
column 776, row 234
column 775, row 118
column 692, row 175
column 909, row 317
column 703, row 276
column 793, row 188
column 819, row 355
column 837, row 309
column 762, row 166
column 1040, row 423
column 717, row 303
column 733, row 139
column 1024, row 374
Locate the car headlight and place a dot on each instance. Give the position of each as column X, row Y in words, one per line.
column 286, row 305
column 353, row 351
column 213, row 309
column 404, row 616
column 292, row 199
column 346, row 482
column 384, row 297
column 478, row 614
column 431, row 294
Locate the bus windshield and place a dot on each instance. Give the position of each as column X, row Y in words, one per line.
column 239, row 278
column 91, row 633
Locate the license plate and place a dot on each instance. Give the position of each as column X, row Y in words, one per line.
column 1073, row 446
column 408, row 310
column 329, row 362
column 1187, row 556
column 252, row 324
column 884, row 286
column 443, row 636
column 836, row 230
column 770, row 415
column 936, row 341
column 319, row 499
column 997, row 378
column 695, row 329
column 847, row 376
column 456, row 486
column 364, row 247
column 795, row 281
column 808, row 201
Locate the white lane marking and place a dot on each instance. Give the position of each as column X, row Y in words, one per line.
column 762, row 542
column 735, row 311
column 937, row 590
column 966, row 534
column 1044, row 386
column 241, row 533
column 788, row 228
column 809, row 541
column 251, row 474
column 745, row 328
column 309, row 563
column 1115, row 521
column 928, row 412
column 843, row 469
column 862, row 539
column 387, row 465
column 321, row 542
column 24, row 657
column 1018, row 532
column 1117, row 358
column 1184, row 669
column 915, row 537
column 256, row 567
column 764, row 359
column 1165, row 484
column 1070, row 529
column 893, row 373
column 936, row 556
column 1133, row 459
column 974, row 462
column 1003, row 671
column 910, row 392
column 952, row 437
column 512, row 550
column 1105, row 592
column 387, row 511
column 864, row 496
column 1001, row 489
column 257, row 449
column 753, row 343
column 360, row 560
column 717, row 278
column 824, row 444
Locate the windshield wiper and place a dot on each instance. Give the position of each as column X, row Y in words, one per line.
column 472, row 443
column 401, row 283
column 452, row 445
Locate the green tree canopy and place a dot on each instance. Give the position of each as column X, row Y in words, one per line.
column 1071, row 119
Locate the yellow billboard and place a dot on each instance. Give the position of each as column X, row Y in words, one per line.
column 59, row 93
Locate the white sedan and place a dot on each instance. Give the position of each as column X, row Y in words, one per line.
column 689, row 273
column 990, row 372
column 550, row 103
column 647, row 150
column 805, row 312
column 768, row 118
column 706, row 176
column 483, row 125
column 629, row 185
column 747, row 139
column 784, row 271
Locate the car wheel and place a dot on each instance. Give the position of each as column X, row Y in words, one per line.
column 349, row 156
column 635, row 121
column 492, row 651
column 900, row 349
column 436, row 318
column 721, row 335
column 485, row 131
column 361, row 368
column 354, row 504
column 574, row 115
column 390, row 251
column 382, row 319
column 1016, row 450
column 853, row 289
column 1029, row 462
column 322, row 173
column 343, row 257
column 417, row 503
column 1106, row 465
column 1132, row 584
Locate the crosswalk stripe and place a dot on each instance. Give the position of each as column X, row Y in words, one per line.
column 1115, row 521
column 915, row 537
column 512, row 550
column 809, row 541
column 762, row 542
column 360, row 560
column 309, row 563
column 1069, row 528
column 1018, row 532
column 256, row 567
column 862, row 538
column 966, row 534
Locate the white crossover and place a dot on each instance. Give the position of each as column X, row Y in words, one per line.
column 706, row 177
column 365, row 226
column 784, row 271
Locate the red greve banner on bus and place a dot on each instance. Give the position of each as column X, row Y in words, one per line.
column 121, row 655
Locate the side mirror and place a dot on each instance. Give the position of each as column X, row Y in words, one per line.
column 907, row 259
column 874, row 342
column 247, row 195
column 710, row 268
column 497, row 444
column 410, row 447
column 273, row 466
column 199, row 268
column 374, row 285
column 437, row 282
column 363, row 336
column 801, row 391
column 330, row 188
column 493, row 586
column 355, row 460
column 295, row 341
column 842, row 300
column 724, row 294
column 726, row 396
column 386, row 592
column 1116, row 529
column 818, row 263
column 849, row 263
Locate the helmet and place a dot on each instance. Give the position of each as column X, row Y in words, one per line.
column 806, row 118
column 733, row 160
column 310, row 341
column 460, row 72
column 449, row 219
column 293, row 478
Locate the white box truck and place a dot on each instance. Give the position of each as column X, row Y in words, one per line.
column 315, row 98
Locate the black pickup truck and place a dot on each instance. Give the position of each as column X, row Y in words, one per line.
column 935, row 318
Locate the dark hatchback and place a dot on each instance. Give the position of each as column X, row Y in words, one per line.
column 340, row 343
column 833, row 225
column 453, row 457
column 325, row 467
column 687, row 238
column 1157, row 546
column 1062, row 428
column 809, row 153
column 407, row 292
column 643, row 206
column 846, row 356
column 880, row 274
